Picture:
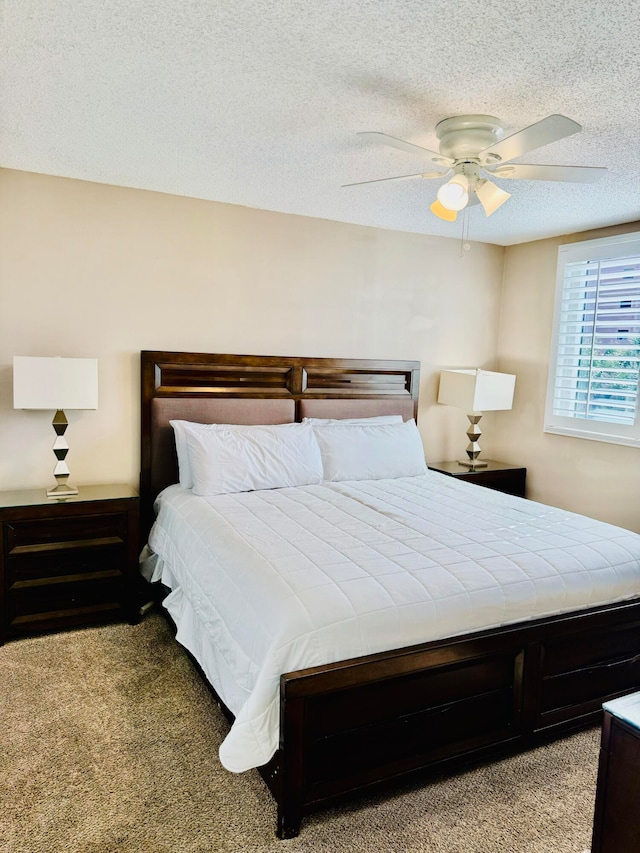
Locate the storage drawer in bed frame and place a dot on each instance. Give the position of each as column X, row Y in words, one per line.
column 581, row 670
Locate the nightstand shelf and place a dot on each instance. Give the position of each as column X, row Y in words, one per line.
column 499, row 476
column 67, row 564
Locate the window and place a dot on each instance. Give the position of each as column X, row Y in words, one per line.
column 594, row 372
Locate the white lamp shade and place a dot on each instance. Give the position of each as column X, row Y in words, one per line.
column 491, row 196
column 476, row 390
column 55, row 383
column 454, row 195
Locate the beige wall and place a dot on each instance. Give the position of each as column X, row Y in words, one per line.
column 93, row 270
column 589, row 477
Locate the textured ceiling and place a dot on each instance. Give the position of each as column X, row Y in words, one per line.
column 258, row 102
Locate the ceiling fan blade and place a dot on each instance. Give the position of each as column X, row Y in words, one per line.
column 543, row 132
column 375, row 136
column 398, row 178
column 491, row 196
column 575, row 174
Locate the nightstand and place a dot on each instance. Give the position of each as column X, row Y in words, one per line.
column 67, row 564
column 497, row 475
column 616, row 825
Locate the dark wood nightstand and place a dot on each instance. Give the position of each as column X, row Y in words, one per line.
column 616, row 825
column 67, row 564
column 497, row 475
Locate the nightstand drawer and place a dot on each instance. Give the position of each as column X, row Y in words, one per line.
column 74, row 592
column 45, row 534
column 61, row 562
column 512, row 483
column 52, row 547
column 29, row 607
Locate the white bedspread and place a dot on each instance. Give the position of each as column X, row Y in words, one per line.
column 273, row 581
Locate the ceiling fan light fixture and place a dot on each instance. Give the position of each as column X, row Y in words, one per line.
column 454, row 195
column 443, row 212
column 491, row 196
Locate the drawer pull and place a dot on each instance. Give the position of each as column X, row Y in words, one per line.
column 66, row 546
column 614, row 664
column 62, row 579
column 629, row 661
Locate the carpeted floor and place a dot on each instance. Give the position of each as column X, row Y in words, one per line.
column 109, row 742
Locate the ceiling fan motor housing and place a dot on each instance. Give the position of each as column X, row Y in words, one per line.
column 463, row 137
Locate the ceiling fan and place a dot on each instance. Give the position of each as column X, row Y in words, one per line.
column 472, row 146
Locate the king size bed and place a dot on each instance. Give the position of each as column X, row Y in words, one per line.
column 367, row 621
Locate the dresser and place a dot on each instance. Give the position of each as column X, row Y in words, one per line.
column 69, row 563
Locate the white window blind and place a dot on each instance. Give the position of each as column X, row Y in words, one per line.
column 594, row 376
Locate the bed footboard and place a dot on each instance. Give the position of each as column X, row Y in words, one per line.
column 354, row 724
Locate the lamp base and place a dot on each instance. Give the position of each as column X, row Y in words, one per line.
column 473, row 448
column 60, row 449
column 472, row 463
column 62, row 491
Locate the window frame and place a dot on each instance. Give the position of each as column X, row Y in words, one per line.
column 618, row 246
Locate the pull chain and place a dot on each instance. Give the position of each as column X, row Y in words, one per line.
column 464, row 237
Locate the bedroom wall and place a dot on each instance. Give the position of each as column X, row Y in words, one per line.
column 590, row 477
column 94, row 270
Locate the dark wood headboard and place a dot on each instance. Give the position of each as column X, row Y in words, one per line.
column 253, row 389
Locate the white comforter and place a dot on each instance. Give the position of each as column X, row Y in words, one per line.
column 272, row 581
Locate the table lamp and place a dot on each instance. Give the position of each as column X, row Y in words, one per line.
column 477, row 391
column 56, row 383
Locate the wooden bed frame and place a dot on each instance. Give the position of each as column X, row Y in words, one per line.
column 350, row 725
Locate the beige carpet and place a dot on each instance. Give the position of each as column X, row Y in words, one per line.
column 109, row 740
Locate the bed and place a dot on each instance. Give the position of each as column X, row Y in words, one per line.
column 498, row 679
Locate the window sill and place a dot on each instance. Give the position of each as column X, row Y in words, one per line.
column 627, row 441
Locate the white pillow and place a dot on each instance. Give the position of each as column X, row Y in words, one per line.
column 376, row 419
column 263, row 457
column 376, row 452
column 185, row 477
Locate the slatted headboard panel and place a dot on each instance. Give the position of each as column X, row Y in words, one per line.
column 213, row 387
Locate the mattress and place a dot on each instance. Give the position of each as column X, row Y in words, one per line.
column 268, row 582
